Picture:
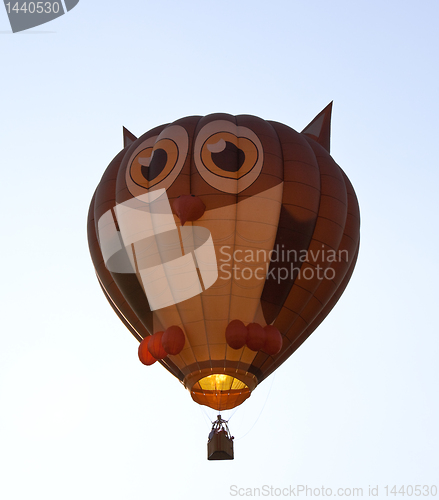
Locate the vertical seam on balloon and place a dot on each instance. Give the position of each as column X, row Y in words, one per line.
column 206, row 333
column 261, row 353
column 312, row 238
column 239, row 361
column 315, row 164
column 338, row 248
column 192, row 167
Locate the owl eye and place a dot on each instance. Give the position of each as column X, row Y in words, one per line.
column 151, row 165
column 227, row 156
column 157, row 161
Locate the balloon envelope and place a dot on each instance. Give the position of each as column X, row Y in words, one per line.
column 209, row 220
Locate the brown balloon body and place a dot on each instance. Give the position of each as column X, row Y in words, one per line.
column 278, row 222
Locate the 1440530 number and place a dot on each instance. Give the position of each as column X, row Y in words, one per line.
column 33, row 7
column 417, row 491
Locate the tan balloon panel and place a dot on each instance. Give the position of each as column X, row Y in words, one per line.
column 275, row 202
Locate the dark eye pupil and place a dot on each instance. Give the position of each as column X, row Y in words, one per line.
column 156, row 166
column 230, row 158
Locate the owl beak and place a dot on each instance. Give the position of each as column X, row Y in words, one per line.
column 188, row 208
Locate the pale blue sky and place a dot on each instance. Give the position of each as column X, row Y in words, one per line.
column 357, row 405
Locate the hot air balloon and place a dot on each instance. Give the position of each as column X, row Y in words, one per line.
column 224, row 241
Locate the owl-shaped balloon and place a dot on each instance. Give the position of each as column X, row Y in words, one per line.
column 222, row 242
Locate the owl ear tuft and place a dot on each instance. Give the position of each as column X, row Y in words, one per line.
column 319, row 129
column 128, row 137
